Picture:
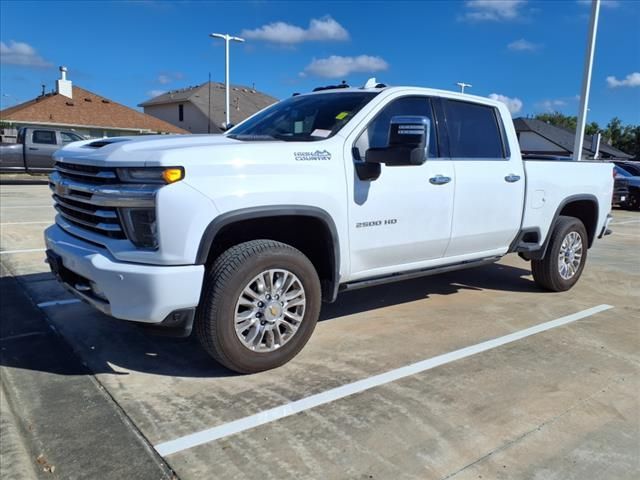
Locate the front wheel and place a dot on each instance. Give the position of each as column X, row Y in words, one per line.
column 260, row 305
column 633, row 202
column 566, row 255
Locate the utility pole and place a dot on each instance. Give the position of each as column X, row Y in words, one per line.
column 463, row 85
column 586, row 80
column 209, row 110
column 227, row 38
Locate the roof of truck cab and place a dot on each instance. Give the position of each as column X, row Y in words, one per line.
column 402, row 88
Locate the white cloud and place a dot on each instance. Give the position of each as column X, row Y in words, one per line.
column 168, row 77
column 336, row 66
column 523, row 45
column 493, row 10
column 320, row 29
column 155, row 93
column 551, row 105
column 20, row 53
column 513, row 104
column 631, row 80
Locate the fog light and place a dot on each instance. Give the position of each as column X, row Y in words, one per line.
column 140, row 225
column 97, row 292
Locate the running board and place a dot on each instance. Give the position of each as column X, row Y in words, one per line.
column 425, row 272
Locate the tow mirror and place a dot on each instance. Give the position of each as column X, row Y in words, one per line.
column 407, row 145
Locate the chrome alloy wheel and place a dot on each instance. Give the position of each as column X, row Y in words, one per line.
column 570, row 255
column 269, row 310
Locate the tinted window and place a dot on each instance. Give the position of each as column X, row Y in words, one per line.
column 473, row 130
column 44, row 136
column 303, row 118
column 69, row 137
column 377, row 133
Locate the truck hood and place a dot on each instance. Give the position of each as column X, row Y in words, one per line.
column 136, row 151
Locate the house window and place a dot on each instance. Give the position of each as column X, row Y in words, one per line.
column 181, row 113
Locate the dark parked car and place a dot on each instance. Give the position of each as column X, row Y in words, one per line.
column 624, row 178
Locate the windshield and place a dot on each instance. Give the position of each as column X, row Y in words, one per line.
column 632, row 169
column 304, row 118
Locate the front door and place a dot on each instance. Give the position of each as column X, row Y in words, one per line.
column 39, row 151
column 402, row 219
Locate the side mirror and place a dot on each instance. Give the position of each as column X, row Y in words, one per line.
column 408, row 142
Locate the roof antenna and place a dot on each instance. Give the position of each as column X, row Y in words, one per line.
column 371, row 83
column 43, row 87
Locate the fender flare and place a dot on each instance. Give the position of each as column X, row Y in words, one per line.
column 539, row 254
column 243, row 214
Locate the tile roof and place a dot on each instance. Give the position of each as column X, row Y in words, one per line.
column 563, row 137
column 244, row 101
column 85, row 109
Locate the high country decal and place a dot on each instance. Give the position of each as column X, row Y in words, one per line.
column 318, row 155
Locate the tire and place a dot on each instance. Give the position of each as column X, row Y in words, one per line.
column 633, row 202
column 548, row 272
column 224, row 304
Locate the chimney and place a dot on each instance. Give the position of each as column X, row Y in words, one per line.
column 63, row 86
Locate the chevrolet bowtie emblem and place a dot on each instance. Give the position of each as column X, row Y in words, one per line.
column 273, row 310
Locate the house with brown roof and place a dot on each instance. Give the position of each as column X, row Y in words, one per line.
column 85, row 112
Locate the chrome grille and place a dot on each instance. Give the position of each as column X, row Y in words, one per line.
column 88, row 198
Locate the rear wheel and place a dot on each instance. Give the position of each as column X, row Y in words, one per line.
column 259, row 306
column 566, row 255
column 633, row 202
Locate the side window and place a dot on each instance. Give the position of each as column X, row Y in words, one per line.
column 377, row 133
column 181, row 113
column 44, row 136
column 69, row 137
column 473, row 130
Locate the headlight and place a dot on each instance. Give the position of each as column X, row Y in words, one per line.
column 140, row 225
column 151, row 175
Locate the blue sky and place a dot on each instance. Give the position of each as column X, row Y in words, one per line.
column 529, row 52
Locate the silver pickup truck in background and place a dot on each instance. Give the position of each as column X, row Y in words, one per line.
column 33, row 152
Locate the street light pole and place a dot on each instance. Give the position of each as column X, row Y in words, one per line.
column 586, row 80
column 227, row 38
column 463, row 85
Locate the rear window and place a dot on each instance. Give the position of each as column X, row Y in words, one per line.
column 473, row 130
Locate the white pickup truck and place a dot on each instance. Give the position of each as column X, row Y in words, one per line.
column 242, row 235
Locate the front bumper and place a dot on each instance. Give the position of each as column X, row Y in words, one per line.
column 150, row 294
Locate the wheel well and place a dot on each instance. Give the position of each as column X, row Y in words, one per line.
column 311, row 235
column 587, row 212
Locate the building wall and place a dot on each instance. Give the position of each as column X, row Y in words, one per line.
column 194, row 120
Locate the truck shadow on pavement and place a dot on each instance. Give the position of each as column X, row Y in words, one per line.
column 108, row 346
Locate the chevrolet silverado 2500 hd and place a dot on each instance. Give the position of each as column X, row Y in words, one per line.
column 242, row 235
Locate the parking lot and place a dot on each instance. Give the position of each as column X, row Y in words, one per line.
column 559, row 402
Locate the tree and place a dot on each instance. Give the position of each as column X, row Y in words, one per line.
column 622, row 137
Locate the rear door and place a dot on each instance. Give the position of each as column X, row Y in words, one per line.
column 39, row 149
column 490, row 183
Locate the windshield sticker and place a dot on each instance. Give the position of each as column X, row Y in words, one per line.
column 342, row 115
column 318, row 132
column 317, row 156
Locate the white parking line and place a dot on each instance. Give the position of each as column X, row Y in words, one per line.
column 625, row 222
column 26, row 206
column 27, row 223
column 28, row 250
column 267, row 416
column 54, row 303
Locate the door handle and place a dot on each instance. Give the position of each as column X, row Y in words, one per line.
column 512, row 177
column 32, row 148
column 439, row 180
